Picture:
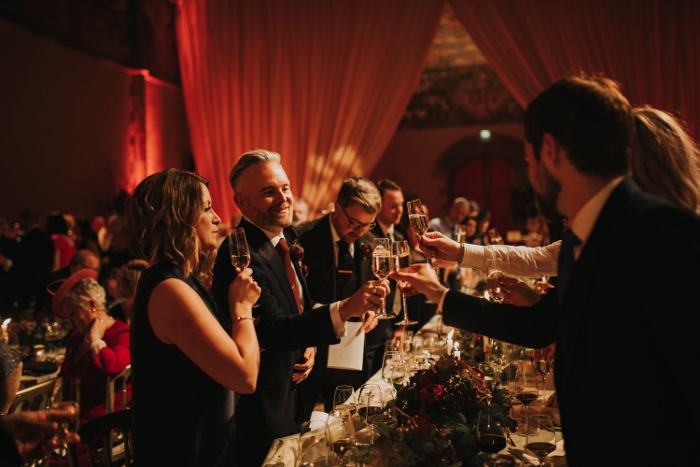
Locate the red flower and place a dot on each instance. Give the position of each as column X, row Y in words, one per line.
column 296, row 252
column 432, row 393
column 427, row 378
column 366, row 250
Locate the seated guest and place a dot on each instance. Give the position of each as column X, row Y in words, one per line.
column 99, row 345
column 11, row 364
column 127, row 279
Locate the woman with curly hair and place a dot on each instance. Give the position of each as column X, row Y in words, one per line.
column 188, row 356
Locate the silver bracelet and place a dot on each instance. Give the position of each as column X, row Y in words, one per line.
column 241, row 318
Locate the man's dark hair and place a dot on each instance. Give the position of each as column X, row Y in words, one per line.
column 590, row 118
column 386, row 184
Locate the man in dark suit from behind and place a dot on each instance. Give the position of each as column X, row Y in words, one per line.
column 612, row 307
column 289, row 323
column 38, row 248
column 338, row 260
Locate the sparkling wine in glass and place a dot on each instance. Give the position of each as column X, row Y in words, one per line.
column 540, row 438
column 460, row 233
column 381, row 267
column 495, row 280
column 402, row 259
column 490, row 434
column 417, row 217
column 238, row 248
column 66, row 396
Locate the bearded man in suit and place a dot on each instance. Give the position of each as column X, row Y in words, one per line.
column 288, row 322
column 338, row 259
column 612, row 313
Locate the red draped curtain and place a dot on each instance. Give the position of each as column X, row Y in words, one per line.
column 651, row 47
column 323, row 82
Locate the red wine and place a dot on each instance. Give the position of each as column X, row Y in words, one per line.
column 491, row 443
column 541, row 450
column 340, row 446
column 372, row 410
column 526, row 398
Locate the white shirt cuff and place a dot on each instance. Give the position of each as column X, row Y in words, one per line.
column 474, row 256
column 338, row 323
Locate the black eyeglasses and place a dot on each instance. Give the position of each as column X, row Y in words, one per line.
column 354, row 224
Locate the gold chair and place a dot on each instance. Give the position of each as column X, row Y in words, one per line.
column 117, row 384
column 108, row 439
column 37, row 397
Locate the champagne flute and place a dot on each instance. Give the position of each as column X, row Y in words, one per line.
column 544, row 363
column 417, row 217
column 402, row 259
column 238, row 248
column 490, row 434
column 381, row 267
column 460, row 233
column 540, row 438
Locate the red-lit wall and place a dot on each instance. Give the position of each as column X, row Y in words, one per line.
column 75, row 130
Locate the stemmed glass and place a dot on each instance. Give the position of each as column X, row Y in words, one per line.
column 495, row 280
column 495, row 237
column 66, row 396
column 238, row 248
column 540, row 438
column 402, row 259
column 381, row 267
column 526, row 388
column 544, row 363
column 314, row 443
column 343, row 398
column 393, row 367
column 418, row 221
column 490, row 434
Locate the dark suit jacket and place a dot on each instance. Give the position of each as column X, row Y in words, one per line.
column 319, row 258
column 274, row 410
column 624, row 333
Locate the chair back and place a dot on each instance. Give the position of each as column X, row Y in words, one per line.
column 116, row 384
column 108, row 439
column 37, row 397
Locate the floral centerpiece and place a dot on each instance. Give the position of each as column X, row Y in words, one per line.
column 436, row 417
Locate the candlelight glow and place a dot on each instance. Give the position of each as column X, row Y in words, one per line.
column 6, row 322
column 449, row 336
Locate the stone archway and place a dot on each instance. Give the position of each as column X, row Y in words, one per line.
column 485, row 170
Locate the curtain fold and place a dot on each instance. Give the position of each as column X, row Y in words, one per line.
column 651, row 47
column 323, row 82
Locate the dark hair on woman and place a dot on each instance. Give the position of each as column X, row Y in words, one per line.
column 161, row 217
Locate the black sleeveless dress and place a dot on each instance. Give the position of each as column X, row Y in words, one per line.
column 182, row 417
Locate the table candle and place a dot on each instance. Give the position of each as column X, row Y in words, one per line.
column 457, row 352
column 450, row 342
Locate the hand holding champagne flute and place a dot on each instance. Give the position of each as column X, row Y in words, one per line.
column 402, row 259
column 381, row 267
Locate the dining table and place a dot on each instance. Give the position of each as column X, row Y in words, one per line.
column 284, row 451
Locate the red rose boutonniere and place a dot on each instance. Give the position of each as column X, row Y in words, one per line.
column 296, row 252
column 366, row 250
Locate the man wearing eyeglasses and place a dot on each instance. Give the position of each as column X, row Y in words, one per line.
column 338, row 256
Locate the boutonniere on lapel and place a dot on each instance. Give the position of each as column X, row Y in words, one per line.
column 296, row 252
column 366, row 250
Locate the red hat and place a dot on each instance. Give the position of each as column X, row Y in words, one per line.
column 66, row 286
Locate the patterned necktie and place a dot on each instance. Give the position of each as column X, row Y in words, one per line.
column 566, row 261
column 346, row 265
column 283, row 250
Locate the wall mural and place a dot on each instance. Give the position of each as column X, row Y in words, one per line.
column 463, row 96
